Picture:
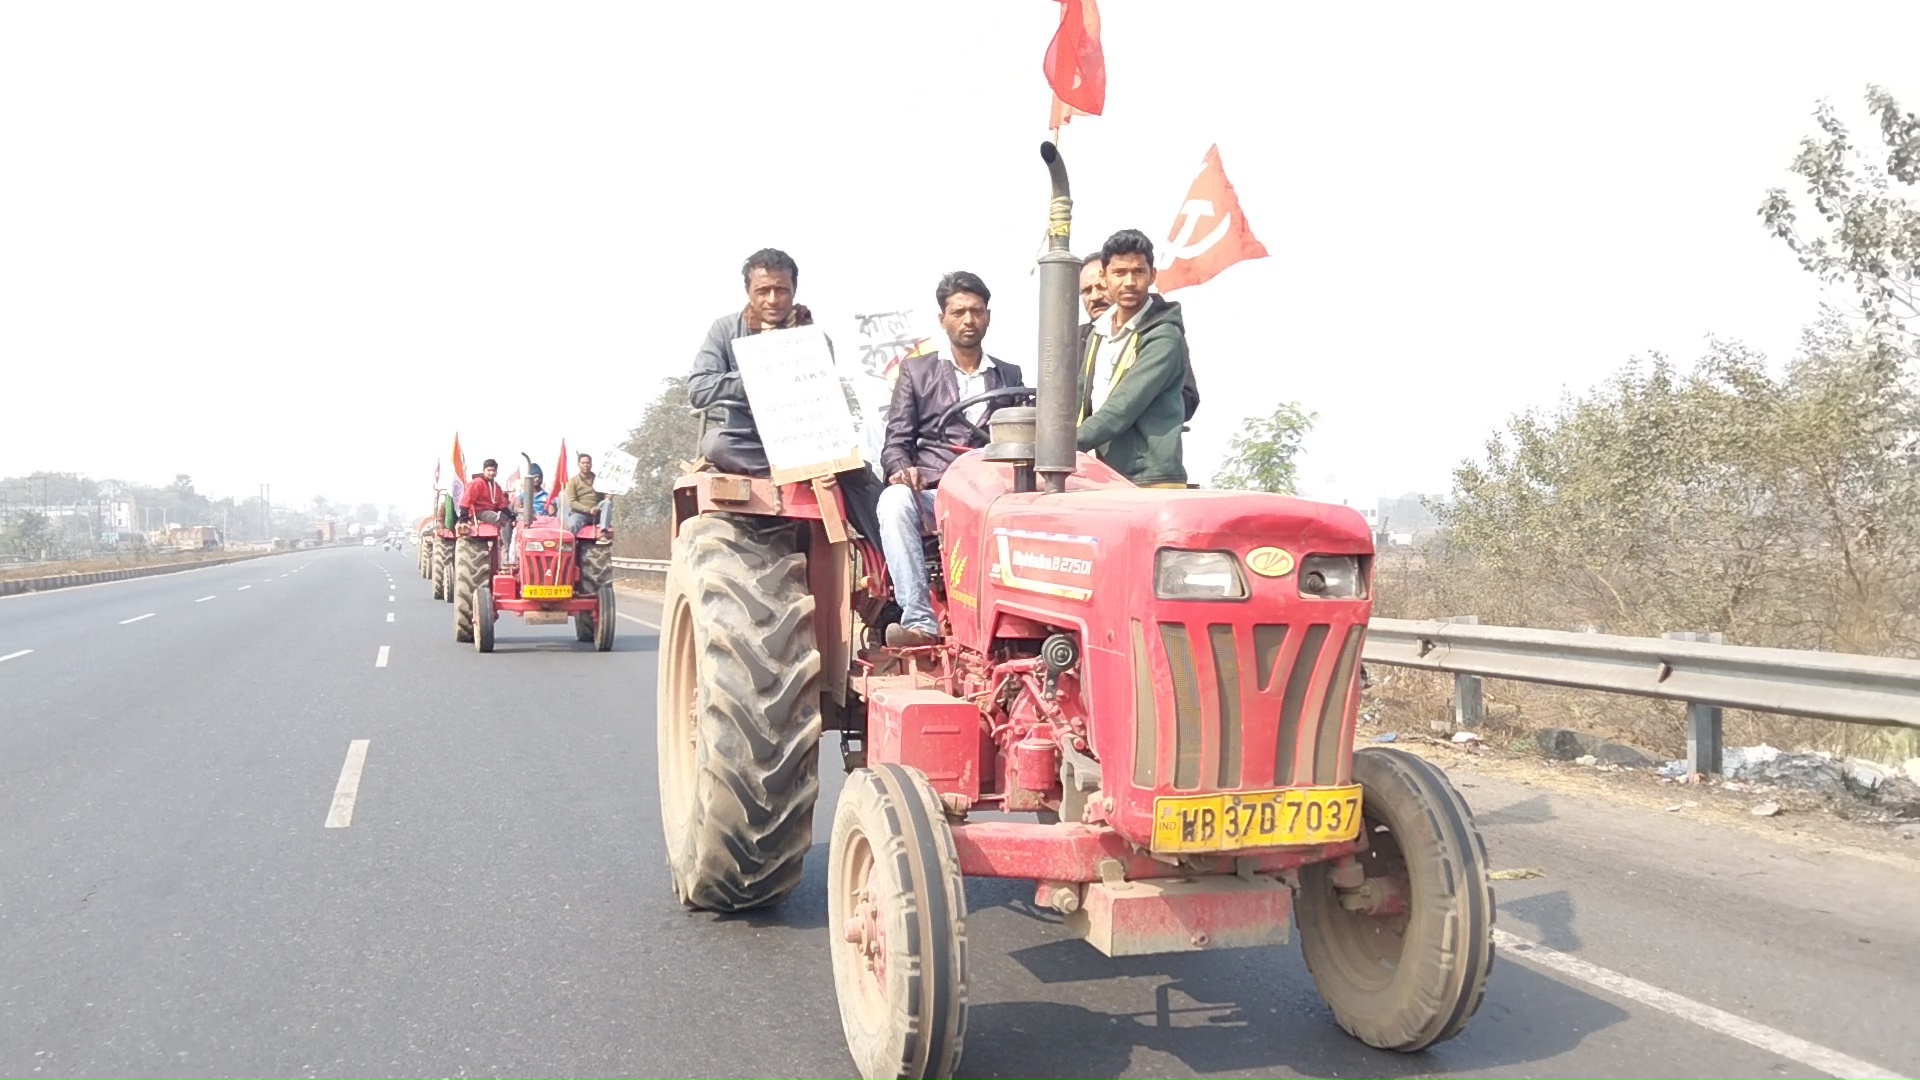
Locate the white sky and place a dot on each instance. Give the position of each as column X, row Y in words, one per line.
column 303, row 244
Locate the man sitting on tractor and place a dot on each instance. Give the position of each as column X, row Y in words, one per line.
column 771, row 277
column 584, row 504
column 919, row 448
column 1133, row 403
column 486, row 501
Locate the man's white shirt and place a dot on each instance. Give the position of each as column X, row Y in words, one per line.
column 1107, row 354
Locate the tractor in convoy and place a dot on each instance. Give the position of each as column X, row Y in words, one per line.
column 557, row 575
column 436, row 546
column 1167, row 681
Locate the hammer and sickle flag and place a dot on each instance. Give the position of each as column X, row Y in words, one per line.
column 1209, row 234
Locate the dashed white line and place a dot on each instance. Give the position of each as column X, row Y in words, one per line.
column 137, row 618
column 381, row 660
column 243, row 588
column 389, row 598
column 638, row 619
column 14, row 655
column 204, row 599
column 389, row 616
column 340, row 814
column 1793, row 1048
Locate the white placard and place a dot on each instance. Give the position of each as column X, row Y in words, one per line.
column 878, row 345
column 613, row 472
column 798, row 403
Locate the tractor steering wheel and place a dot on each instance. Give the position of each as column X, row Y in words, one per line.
column 959, row 407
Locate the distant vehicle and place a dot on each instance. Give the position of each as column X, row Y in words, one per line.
column 369, row 542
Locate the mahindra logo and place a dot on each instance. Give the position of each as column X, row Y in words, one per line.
column 1269, row 562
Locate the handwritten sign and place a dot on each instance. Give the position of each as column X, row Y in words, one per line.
column 878, row 345
column 798, row 403
column 613, row 472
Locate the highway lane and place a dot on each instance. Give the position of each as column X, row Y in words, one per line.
column 172, row 901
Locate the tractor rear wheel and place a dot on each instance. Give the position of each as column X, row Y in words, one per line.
column 596, row 567
column 738, row 713
column 446, row 571
column 603, row 621
column 472, row 572
column 1406, row 979
column 483, row 619
column 897, row 913
column 430, row 551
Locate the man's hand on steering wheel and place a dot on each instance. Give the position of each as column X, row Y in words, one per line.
column 959, row 407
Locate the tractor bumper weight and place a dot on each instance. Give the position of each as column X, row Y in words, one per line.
column 1141, row 918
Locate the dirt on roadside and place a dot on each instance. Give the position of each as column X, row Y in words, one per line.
column 1805, row 819
column 124, row 562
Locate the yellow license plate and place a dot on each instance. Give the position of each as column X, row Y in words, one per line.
column 547, row 592
column 1238, row 820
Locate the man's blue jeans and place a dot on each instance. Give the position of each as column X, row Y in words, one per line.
column 577, row 520
column 904, row 513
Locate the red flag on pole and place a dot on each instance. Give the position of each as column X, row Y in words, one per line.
column 1075, row 66
column 459, row 462
column 1209, row 234
column 559, row 481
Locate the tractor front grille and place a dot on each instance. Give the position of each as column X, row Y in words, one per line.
column 1279, row 721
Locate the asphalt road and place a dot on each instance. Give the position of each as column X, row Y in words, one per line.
column 173, row 901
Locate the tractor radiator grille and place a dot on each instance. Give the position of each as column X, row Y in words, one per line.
column 1259, row 706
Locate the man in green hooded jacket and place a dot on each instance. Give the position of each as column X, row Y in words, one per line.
column 1133, row 404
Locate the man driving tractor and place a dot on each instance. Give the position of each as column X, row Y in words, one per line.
column 919, row 449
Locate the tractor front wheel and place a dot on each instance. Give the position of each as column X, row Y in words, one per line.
column 738, row 713
column 483, row 619
column 472, row 573
column 583, row 626
column 1403, row 962
column 603, row 621
column 897, row 913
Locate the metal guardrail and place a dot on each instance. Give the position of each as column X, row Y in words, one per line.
column 642, row 566
column 1706, row 675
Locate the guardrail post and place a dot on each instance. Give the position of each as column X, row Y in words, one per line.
column 1703, row 721
column 1469, row 691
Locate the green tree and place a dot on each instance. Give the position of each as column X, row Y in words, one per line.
column 661, row 444
column 1261, row 458
column 1869, row 234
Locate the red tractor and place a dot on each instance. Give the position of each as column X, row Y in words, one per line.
column 1168, row 681
column 557, row 575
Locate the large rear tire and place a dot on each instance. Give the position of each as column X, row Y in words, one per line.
column 483, row 619
column 603, row 621
column 596, row 567
column 472, row 572
column 738, row 713
column 446, row 571
column 1409, row 980
column 897, row 913
column 434, row 571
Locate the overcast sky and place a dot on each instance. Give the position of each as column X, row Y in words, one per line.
column 302, row 244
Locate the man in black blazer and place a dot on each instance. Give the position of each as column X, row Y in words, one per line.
column 928, row 386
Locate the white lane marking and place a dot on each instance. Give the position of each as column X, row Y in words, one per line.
column 203, row 599
column 389, row 616
column 381, row 660
column 1793, row 1048
column 283, row 575
column 243, row 588
column 14, row 655
column 638, row 619
column 136, row 618
column 340, row 815
column 389, row 598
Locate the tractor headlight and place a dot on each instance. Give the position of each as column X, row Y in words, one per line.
column 1197, row 575
column 1333, row 577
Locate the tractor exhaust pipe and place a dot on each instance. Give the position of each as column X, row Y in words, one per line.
column 1058, row 389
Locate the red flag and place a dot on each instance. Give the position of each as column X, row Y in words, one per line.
column 1209, row 234
column 559, row 481
column 1075, row 67
column 459, row 462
